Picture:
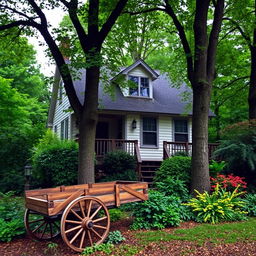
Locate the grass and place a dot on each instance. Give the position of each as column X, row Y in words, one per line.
column 220, row 233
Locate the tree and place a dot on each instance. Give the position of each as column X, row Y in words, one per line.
column 207, row 19
column 230, row 87
column 30, row 14
column 242, row 17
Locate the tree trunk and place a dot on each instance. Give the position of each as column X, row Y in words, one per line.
column 87, row 127
column 200, row 162
column 252, row 88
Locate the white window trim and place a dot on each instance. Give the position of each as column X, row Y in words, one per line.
column 157, row 133
column 139, row 87
column 179, row 119
column 64, row 129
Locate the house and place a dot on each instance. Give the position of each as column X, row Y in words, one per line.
column 148, row 119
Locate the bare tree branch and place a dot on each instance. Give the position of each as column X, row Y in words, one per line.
column 183, row 38
column 111, row 20
column 213, row 39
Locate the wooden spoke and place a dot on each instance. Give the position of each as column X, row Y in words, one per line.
column 82, row 209
column 72, row 229
column 34, row 221
column 75, row 236
column 90, row 237
column 89, row 209
column 96, row 233
column 82, row 240
column 79, row 217
column 73, row 221
column 38, row 227
column 51, row 229
column 44, row 230
column 75, row 232
column 100, row 219
column 97, row 226
column 96, row 212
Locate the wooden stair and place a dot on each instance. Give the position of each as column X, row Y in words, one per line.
column 148, row 170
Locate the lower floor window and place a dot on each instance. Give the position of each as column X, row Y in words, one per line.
column 149, row 131
column 64, row 129
column 181, row 130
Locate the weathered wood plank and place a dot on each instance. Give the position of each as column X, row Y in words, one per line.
column 134, row 192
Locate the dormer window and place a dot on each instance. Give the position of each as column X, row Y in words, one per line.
column 140, row 87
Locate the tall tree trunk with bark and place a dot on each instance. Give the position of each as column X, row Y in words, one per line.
column 87, row 127
column 252, row 88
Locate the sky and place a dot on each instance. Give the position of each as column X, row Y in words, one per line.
column 54, row 17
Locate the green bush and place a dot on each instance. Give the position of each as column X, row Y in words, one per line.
column 159, row 211
column 250, row 204
column 218, row 206
column 116, row 214
column 55, row 162
column 238, row 150
column 173, row 186
column 126, row 175
column 11, row 216
column 177, row 166
column 115, row 237
column 216, row 167
column 119, row 165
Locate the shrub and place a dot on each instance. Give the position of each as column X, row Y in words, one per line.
column 11, row 216
column 250, row 204
column 219, row 206
column 126, row 175
column 177, row 166
column 229, row 182
column 238, row 149
column 116, row 214
column 173, row 186
column 157, row 212
column 55, row 162
column 118, row 162
column 216, row 167
column 115, row 237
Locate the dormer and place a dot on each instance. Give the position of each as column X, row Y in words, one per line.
column 139, row 77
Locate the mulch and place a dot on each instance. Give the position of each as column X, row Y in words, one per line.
column 28, row 247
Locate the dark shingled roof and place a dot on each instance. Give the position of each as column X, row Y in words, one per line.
column 166, row 99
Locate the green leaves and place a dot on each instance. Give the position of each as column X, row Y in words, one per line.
column 218, row 206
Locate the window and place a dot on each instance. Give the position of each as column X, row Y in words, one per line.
column 149, row 131
column 64, row 125
column 60, row 91
column 181, row 130
column 140, row 87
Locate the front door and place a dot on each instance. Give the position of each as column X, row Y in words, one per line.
column 102, row 130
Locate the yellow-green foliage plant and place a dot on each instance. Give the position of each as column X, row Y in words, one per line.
column 219, row 206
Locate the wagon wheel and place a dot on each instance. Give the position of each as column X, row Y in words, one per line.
column 85, row 222
column 41, row 227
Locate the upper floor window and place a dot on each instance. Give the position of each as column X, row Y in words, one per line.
column 140, row 86
column 60, row 96
column 181, row 130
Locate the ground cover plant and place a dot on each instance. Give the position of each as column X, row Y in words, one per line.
column 11, row 216
column 219, row 233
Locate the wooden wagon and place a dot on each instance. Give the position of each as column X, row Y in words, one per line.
column 79, row 212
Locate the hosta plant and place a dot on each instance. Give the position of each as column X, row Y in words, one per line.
column 219, row 206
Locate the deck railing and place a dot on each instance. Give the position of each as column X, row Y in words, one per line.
column 172, row 148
